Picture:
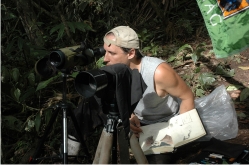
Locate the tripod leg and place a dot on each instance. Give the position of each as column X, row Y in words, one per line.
column 98, row 151
column 65, row 145
column 81, row 139
column 123, row 146
column 106, row 147
column 41, row 143
column 114, row 147
column 137, row 151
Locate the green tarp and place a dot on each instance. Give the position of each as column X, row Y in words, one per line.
column 229, row 33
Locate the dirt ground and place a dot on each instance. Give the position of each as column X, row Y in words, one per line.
column 241, row 78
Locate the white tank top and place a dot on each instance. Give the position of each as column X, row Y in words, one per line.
column 151, row 108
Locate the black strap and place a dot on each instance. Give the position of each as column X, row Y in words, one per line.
column 138, row 87
column 229, row 150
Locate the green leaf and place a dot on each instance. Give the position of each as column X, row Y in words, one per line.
column 82, row 26
column 27, row 94
column 44, row 84
column 199, row 92
column 100, row 63
column 171, row 58
column 196, row 54
column 31, row 78
column 145, row 31
column 224, row 72
column 20, row 43
column 82, row 6
column 39, row 52
column 48, row 114
column 74, row 74
column 17, row 94
column 244, row 94
column 154, row 49
column 8, row 16
column 57, row 27
column 5, row 75
column 194, row 57
column 231, row 73
column 145, row 49
column 60, row 33
column 15, row 74
column 71, row 26
column 12, row 123
column 199, row 51
column 185, row 47
column 37, row 122
column 197, row 70
column 206, row 79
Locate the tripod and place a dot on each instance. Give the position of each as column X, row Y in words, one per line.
column 111, row 135
column 64, row 107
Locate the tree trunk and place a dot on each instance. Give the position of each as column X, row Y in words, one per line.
column 160, row 13
column 28, row 18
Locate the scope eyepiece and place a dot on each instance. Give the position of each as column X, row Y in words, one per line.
column 100, row 51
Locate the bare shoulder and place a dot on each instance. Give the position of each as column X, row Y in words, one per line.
column 167, row 79
column 165, row 72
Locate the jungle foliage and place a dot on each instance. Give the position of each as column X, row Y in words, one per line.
column 32, row 28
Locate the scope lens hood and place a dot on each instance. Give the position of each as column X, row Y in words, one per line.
column 88, row 83
column 57, row 58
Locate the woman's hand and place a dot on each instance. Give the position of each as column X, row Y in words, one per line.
column 135, row 125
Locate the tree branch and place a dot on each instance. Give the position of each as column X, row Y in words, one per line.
column 63, row 19
column 43, row 10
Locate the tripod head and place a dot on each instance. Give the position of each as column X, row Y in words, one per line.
column 113, row 116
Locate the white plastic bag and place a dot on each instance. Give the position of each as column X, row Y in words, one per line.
column 218, row 115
